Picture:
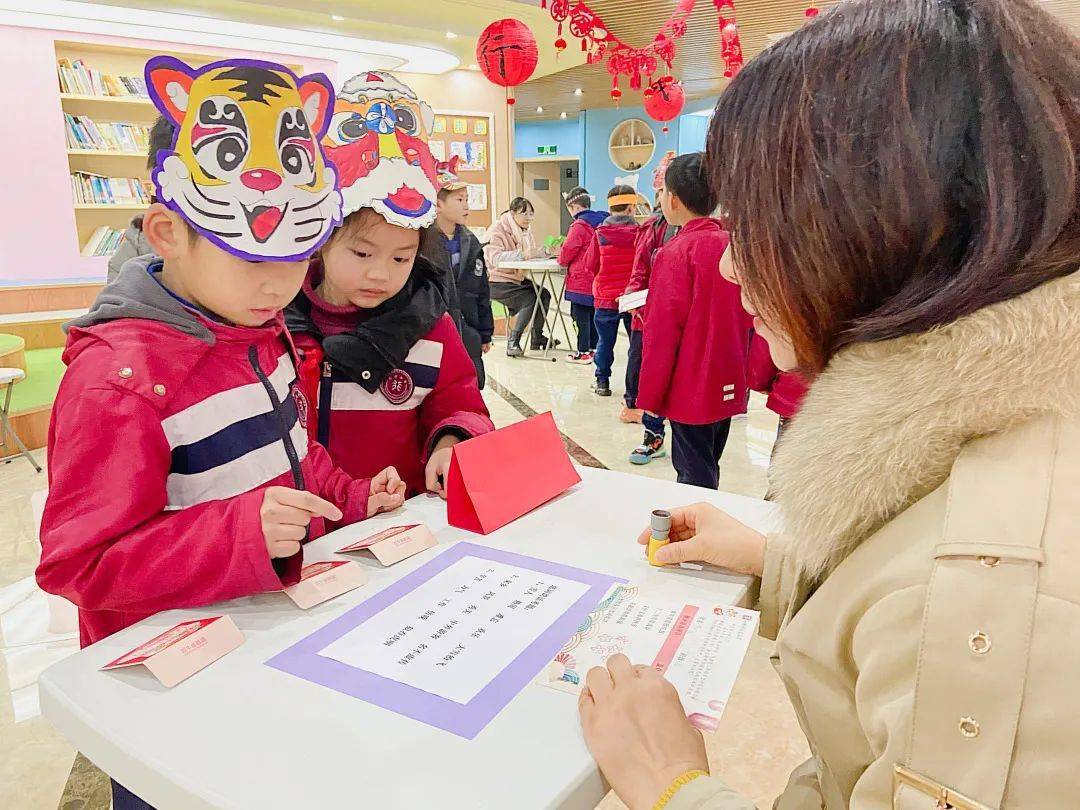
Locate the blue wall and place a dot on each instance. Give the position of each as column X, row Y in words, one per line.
column 567, row 135
column 587, row 138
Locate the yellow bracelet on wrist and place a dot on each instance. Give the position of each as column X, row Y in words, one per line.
column 675, row 786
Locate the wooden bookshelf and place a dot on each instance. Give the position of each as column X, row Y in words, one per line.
column 106, row 153
column 123, row 61
column 110, row 207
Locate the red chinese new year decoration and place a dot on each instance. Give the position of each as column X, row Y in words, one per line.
column 507, row 54
column 812, row 10
column 598, row 43
column 730, row 46
column 664, row 99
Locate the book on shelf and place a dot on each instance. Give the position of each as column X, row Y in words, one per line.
column 78, row 78
column 83, row 132
column 96, row 189
column 103, row 242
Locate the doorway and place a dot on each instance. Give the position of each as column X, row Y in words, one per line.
column 543, row 182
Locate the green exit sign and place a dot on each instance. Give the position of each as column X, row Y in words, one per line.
column 547, row 150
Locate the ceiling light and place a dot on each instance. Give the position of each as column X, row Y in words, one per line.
column 337, row 18
column 474, row 66
column 352, row 54
column 539, row 109
column 562, row 114
column 577, row 92
column 451, row 35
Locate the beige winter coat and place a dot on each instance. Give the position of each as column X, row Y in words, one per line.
column 932, row 486
column 508, row 241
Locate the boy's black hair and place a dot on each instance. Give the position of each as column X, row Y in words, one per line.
column 685, row 178
column 617, row 191
column 161, row 138
column 578, row 195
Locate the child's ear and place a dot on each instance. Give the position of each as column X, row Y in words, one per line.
column 166, row 232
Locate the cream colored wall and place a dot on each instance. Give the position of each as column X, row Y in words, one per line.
column 469, row 91
column 547, row 203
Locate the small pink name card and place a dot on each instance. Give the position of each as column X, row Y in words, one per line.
column 183, row 650
column 395, row 544
column 322, row 581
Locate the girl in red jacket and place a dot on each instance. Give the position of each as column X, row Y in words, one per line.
column 384, row 365
column 697, row 334
column 610, row 259
column 579, row 276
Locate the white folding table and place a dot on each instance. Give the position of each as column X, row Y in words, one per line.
column 552, row 277
column 241, row 734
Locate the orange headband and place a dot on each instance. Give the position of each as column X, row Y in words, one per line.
column 623, row 199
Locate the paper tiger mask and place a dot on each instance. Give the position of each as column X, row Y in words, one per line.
column 246, row 169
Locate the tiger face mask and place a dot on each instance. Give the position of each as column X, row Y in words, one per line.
column 246, row 168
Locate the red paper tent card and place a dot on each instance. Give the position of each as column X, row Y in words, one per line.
column 498, row 477
column 183, row 650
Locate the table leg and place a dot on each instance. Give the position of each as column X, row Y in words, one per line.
column 527, row 337
column 7, row 429
column 558, row 316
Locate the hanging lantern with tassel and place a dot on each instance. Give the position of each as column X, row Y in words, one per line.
column 664, row 100
column 507, row 54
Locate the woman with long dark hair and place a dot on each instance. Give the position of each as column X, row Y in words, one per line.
column 900, row 181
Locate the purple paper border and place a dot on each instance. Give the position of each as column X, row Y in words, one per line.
column 464, row 720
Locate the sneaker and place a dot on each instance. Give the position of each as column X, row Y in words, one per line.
column 515, row 351
column 602, row 388
column 631, row 416
column 581, row 358
column 652, row 447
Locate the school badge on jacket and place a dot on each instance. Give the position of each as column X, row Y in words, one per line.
column 397, row 387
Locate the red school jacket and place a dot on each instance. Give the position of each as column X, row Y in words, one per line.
column 785, row 389
column 611, row 258
column 653, row 234
column 160, row 448
column 697, row 333
column 574, row 251
column 433, row 393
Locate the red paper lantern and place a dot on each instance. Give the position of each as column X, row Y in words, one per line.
column 664, row 99
column 507, row 54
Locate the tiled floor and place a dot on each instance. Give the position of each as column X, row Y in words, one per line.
column 758, row 742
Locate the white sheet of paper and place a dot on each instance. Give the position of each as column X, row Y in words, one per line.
column 698, row 647
column 477, row 196
column 460, row 629
column 633, row 300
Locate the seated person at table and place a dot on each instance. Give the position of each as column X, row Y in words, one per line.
column 511, row 238
column 412, row 414
column 697, row 334
column 579, row 276
column 458, row 253
column 180, row 469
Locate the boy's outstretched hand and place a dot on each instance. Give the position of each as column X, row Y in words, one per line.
column 439, row 465
column 387, row 492
column 285, row 515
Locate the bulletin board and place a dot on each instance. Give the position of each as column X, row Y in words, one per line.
column 470, row 136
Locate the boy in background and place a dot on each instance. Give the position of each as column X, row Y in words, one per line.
column 610, row 259
column 459, row 251
column 697, row 334
column 579, row 275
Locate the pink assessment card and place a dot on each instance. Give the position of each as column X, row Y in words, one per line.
column 453, row 642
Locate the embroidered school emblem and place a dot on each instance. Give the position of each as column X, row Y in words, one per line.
column 397, row 387
column 301, row 405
